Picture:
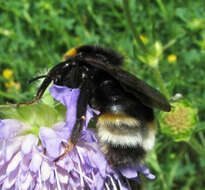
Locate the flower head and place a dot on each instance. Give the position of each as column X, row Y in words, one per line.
column 7, row 74
column 180, row 123
column 153, row 56
column 26, row 161
column 172, row 58
column 10, row 84
column 143, row 38
column 31, row 142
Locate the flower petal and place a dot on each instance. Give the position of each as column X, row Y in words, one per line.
column 69, row 98
column 146, row 172
column 14, row 163
column 28, row 142
column 128, row 172
column 97, row 159
column 61, row 93
column 35, row 162
column 8, row 183
column 62, row 131
column 45, row 171
column 50, row 141
column 63, row 177
column 71, row 106
column 8, row 128
column 52, row 177
column 88, row 136
column 89, row 115
column 26, row 184
column 12, row 146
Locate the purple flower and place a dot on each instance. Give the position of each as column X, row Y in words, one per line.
column 26, row 161
column 28, row 151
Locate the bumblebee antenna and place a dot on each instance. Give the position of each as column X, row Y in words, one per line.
column 36, row 78
column 41, row 90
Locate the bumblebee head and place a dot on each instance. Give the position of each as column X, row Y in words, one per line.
column 74, row 69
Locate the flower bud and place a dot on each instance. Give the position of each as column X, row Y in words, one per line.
column 153, row 56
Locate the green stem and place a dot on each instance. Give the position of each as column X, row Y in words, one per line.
column 160, row 81
column 197, row 146
column 142, row 46
column 175, row 165
column 169, row 44
column 162, row 7
column 155, row 164
column 132, row 26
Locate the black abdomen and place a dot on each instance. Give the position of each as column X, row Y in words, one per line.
column 125, row 126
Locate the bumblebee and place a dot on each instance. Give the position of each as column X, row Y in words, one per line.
column 126, row 125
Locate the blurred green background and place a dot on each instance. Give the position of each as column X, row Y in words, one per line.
column 163, row 43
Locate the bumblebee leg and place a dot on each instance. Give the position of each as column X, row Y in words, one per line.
column 80, row 119
column 68, row 147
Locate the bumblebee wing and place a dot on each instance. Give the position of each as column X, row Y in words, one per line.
column 140, row 89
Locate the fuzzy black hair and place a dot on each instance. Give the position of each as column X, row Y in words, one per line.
column 105, row 54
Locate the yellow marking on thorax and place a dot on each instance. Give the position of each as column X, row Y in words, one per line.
column 70, row 53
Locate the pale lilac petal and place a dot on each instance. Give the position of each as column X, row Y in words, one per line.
column 62, row 131
column 150, row 176
column 99, row 181
column 26, row 184
column 23, row 176
column 132, row 172
column 128, row 172
column 28, row 143
column 9, row 127
column 88, row 136
column 71, row 112
column 3, row 175
column 35, row 162
column 14, row 163
column 52, row 178
column 66, row 163
column 50, row 141
column 69, row 98
column 8, row 183
column 25, row 163
column 12, row 146
column 63, row 178
column 61, row 93
column 11, row 179
column 2, row 161
column 89, row 115
column 147, row 173
column 45, row 171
